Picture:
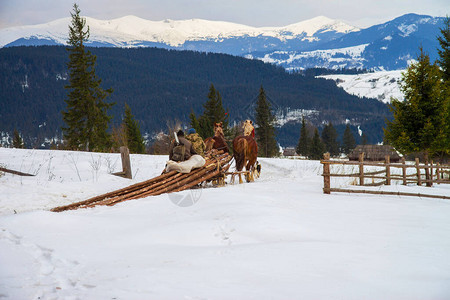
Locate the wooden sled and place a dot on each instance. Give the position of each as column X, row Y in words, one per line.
column 217, row 164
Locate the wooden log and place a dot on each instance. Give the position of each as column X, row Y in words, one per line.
column 419, row 177
column 374, row 164
column 389, row 193
column 173, row 185
column 438, row 175
column 197, row 181
column 126, row 164
column 404, row 170
column 429, row 182
column 15, row 172
column 388, row 170
column 164, row 180
column 203, row 175
column 180, row 184
column 375, row 172
column 166, row 187
column 217, row 160
column 366, row 175
column 442, row 181
column 375, row 183
column 326, row 174
column 135, row 194
column 122, row 191
column 145, row 191
column 361, row 168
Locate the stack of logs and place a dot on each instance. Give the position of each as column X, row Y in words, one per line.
column 217, row 163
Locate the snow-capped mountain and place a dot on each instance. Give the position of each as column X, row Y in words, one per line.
column 388, row 46
column 131, row 31
column 318, row 42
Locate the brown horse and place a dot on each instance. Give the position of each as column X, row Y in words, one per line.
column 218, row 140
column 248, row 128
column 245, row 153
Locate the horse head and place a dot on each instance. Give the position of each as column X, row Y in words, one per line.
column 218, row 129
column 248, row 127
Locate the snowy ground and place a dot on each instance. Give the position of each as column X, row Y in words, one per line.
column 380, row 85
column 277, row 238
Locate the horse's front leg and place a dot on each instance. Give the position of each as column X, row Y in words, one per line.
column 249, row 175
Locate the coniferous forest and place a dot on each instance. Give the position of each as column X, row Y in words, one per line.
column 162, row 86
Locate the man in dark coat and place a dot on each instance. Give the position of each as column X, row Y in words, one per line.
column 189, row 149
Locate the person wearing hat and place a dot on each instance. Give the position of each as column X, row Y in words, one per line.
column 188, row 150
column 197, row 142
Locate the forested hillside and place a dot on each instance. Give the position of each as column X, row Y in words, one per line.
column 162, row 85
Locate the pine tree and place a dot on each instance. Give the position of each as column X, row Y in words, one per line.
column 419, row 122
column 213, row 112
column 86, row 116
column 444, row 63
column 17, row 140
column 134, row 138
column 194, row 121
column 444, row 52
column 329, row 138
column 265, row 130
column 304, row 141
column 348, row 140
column 317, row 148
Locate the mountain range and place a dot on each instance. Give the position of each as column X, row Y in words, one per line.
column 318, row 42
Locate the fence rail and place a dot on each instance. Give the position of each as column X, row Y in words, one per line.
column 427, row 173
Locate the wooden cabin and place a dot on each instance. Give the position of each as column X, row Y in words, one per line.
column 375, row 153
column 289, row 151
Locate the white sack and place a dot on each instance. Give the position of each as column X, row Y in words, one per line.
column 195, row 161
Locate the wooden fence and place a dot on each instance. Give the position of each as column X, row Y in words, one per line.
column 427, row 173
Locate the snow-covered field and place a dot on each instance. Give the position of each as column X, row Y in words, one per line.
column 277, row 238
column 381, row 85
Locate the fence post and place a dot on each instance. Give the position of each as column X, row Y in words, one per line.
column 419, row 179
column 404, row 170
column 427, row 172
column 326, row 174
column 126, row 165
column 438, row 175
column 432, row 167
column 387, row 159
column 361, row 168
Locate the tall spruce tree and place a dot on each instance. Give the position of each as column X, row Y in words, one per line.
column 444, row 52
column 265, row 129
column 135, row 140
column 317, row 148
column 86, row 117
column 419, row 122
column 444, row 63
column 304, row 141
column 348, row 140
column 213, row 112
column 329, row 138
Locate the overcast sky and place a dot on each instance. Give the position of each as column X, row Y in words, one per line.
column 361, row 13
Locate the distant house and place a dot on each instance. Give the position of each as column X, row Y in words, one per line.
column 289, row 152
column 375, row 153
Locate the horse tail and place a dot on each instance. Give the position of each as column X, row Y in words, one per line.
column 239, row 152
